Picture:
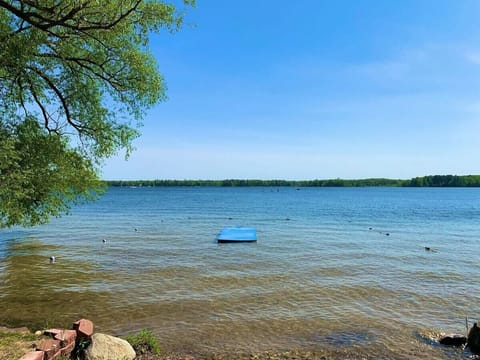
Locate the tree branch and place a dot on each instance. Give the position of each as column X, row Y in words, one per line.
column 59, row 95
column 41, row 22
column 39, row 103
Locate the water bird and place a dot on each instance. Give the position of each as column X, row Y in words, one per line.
column 388, row 234
column 104, row 241
column 427, row 248
column 135, row 229
column 370, row 228
column 52, row 259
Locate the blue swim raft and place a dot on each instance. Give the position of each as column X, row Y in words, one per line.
column 237, row 234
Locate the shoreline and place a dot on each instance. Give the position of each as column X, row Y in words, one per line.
column 341, row 352
column 24, row 340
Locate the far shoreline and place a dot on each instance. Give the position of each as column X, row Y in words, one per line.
column 424, row 181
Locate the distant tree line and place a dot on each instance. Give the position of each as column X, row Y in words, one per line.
column 445, row 181
column 424, row 181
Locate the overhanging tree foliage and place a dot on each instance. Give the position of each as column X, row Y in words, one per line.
column 76, row 77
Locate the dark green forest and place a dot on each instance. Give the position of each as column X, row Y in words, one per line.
column 424, row 181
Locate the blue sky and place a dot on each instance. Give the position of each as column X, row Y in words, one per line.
column 314, row 89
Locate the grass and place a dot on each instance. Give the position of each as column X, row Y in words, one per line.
column 14, row 345
column 144, row 342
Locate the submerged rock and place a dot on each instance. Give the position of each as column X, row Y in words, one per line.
column 453, row 340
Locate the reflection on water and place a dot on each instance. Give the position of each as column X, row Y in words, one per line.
column 322, row 280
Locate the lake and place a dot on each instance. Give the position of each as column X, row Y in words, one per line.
column 333, row 268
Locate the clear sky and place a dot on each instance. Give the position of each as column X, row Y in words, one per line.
column 314, row 89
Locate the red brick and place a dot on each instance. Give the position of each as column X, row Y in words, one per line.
column 33, row 355
column 55, row 356
column 51, row 347
column 66, row 337
column 67, row 349
column 84, row 328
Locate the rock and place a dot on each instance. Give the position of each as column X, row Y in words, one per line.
column 33, row 355
column 453, row 340
column 84, row 328
column 66, row 350
column 20, row 330
column 106, row 347
column 66, row 337
column 51, row 348
column 473, row 340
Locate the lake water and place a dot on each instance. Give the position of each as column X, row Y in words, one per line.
column 333, row 268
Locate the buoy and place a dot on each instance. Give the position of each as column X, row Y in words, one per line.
column 52, row 259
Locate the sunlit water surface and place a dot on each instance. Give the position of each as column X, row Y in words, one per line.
column 332, row 268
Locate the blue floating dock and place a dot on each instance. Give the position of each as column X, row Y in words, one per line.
column 237, row 234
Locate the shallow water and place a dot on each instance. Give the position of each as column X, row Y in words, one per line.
column 324, row 273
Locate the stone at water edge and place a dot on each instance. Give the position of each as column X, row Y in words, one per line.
column 107, row 347
column 473, row 340
column 67, row 337
column 84, row 328
column 453, row 340
column 20, row 330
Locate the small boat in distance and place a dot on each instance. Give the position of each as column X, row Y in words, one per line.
column 237, row 234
